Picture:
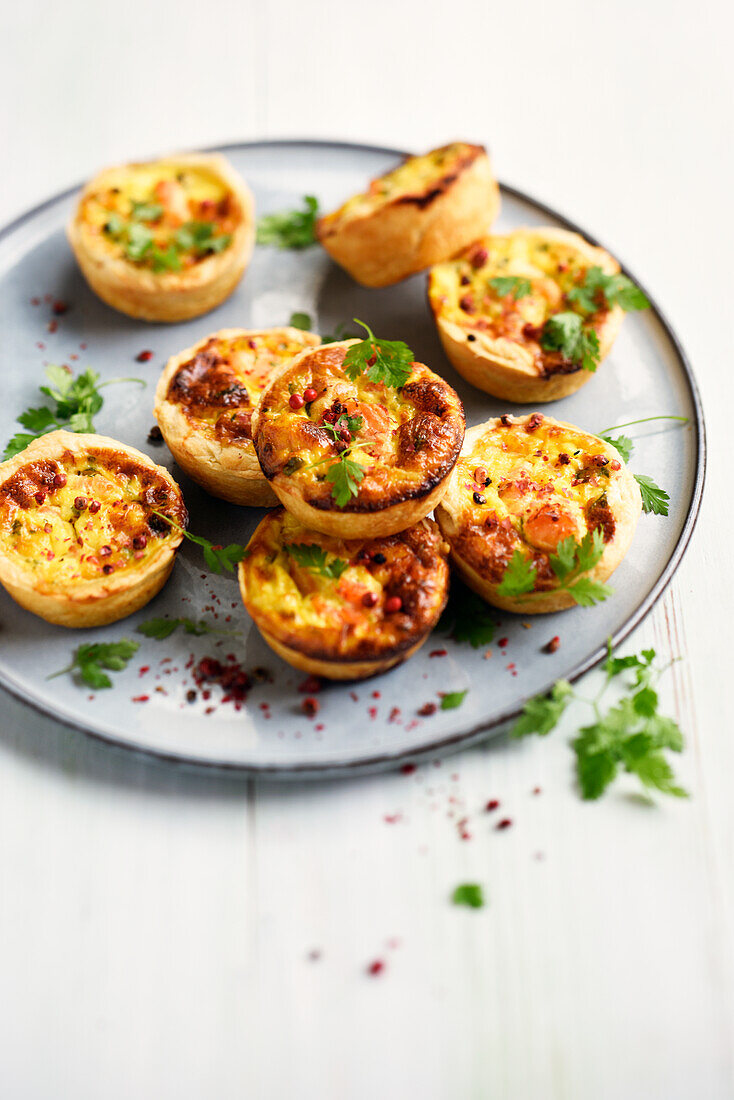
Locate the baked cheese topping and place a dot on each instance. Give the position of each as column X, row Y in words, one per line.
column 404, row 441
column 344, row 599
column 220, row 386
column 419, row 179
column 462, row 291
column 163, row 216
column 86, row 517
column 527, row 486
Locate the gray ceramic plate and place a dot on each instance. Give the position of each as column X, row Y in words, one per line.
column 375, row 723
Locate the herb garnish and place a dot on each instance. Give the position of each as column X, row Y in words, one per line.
column 388, row 361
column 315, row 559
column 570, row 562
column 453, row 699
column 345, row 476
column 630, row 735
column 75, row 402
column 565, row 332
column 467, row 617
column 470, row 894
column 599, row 290
column 164, row 628
column 90, row 660
column 654, row 499
column 301, row 321
column 290, row 228
column 138, row 241
column 218, row 558
column 511, row 284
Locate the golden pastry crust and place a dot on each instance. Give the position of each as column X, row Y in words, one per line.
column 419, row 214
column 165, row 240
column 492, row 339
column 343, row 609
column 549, row 481
column 80, row 544
column 405, row 440
column 204, row 403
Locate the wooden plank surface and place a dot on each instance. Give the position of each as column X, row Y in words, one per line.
column 172, row 934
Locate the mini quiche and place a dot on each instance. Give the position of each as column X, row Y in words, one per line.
column 525, row 485
column 81, row 540
column 419, row 214
column 343, row 609
column 204, row 404
column 508, row 319
column 356, row 459
column 166, row 240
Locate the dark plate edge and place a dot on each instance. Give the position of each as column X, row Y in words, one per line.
column 464, row 738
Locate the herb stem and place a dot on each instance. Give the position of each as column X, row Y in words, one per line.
column 644, row 420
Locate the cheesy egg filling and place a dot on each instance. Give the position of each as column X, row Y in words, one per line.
column 527, row 487
column 220, row 386
column 508, row 287
column 341, row 599
column 322, row 432
column 161, row 216
column 86, row 517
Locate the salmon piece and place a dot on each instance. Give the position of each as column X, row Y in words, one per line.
column 172, row 197
column 548, row 526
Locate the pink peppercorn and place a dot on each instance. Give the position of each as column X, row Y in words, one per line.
column 296, row 401
column 393, row 604
column 369, row 599
column 94, row 507
column 310, row 394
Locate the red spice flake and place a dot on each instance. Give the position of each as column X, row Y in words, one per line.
column 353, row 695
column 408, row 769
column 464, row 833
column 553, row 644
column 492, row 805
column 394, row 714
column 60, row 307
column 52, row 326
column 376, row 968
column 143, row 669
column 427, row 710
column 310, row 707
column 35, row 301
column 144, row 356
column 504, row 823
column 438, row 653
column 392, row 819
column 318, row 727
column 83, row 347
column 74, row 357
column 502, row 643
column 41, row 346
column 372, row 711
column 315, row 955
column 231, row 677
column 140, row 698
column 375, row 694
column 537, row 790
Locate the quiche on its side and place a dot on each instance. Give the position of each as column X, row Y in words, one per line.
column 165, row 240
column 344, row 609
column 491, row 305
column 356, row 459
column 525, row 485
column 82, row 538
column 419, row 214
column 205, row 401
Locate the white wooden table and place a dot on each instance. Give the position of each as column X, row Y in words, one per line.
column 182, row 935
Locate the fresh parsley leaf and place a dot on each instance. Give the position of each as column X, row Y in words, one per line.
column 598, row 290
column 218, row 558
column 565, row 332
column 469, row 894
column 623, row 443
column 519, row 576
column 139, row 241
column 654, row 499
column 163, row 628
column 345, row 476
column 301, row 321
column 353, row 424
column 388, row 361
column 542, row 713
column 315, row 559
column 588, row 551
column 90, row 660
column 453, row 699
column 115, row 225
column 587, row 592
column 511, row 284
column 146, row 211
column 167, row 260
column 75, row 403
column 467, row 617
column 290, row 228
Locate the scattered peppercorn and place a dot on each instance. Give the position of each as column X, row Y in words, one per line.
column 427, row 710
column 140, row 542
column 144, row 356
column 296, row 401
column 471, row 337
column 479, row 499
column 375, row 968
column 393, row 604
column 492, row 805
column 564, row 459
column 479, row 258
column 80, row 503
column 310, row 394
column 39, row 497
column 59, row 307
column 504, row 823
column 107, row 569
column 370, row 599
column 310, row 706
column 553, row 644
column 379, row 558
column 311, row 685
column 506, row 421
column 94, row 507
column 191, row 696
column 155, row 435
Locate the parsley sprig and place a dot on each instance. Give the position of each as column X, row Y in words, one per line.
column 218, row 558
column 345, row 476
column 90, row 660
column 469, row 894
column 654, row 499
column 599, row 290
column 301, row 321
column 139, row 244
column 73, row 404
column 388, row 361
column 467, row 618
column 163, row 628
column 290, row 228
column 453, row 699
column 630, row 735
column 316, row 559
column 571, row 561
column 511, row 284
column 565, row 332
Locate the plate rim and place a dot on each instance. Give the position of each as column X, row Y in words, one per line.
column 385, row 760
